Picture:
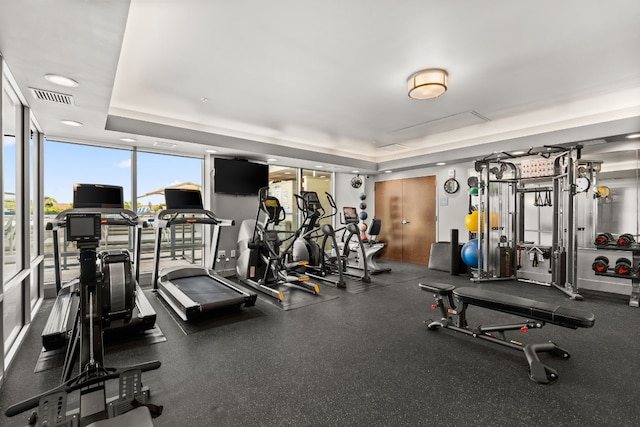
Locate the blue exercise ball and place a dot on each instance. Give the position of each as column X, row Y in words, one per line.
column 363, row 215
column 469, row 253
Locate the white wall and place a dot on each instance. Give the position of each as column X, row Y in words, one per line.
column 451, row 208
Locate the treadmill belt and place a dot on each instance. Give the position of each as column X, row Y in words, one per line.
column 205, row 289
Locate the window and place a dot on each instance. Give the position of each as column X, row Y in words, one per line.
column 67, row 164
column 12, row 305
column 155, row 173
column 9, row 223
column 283, row 184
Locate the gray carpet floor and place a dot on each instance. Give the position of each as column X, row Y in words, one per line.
column 367, row 359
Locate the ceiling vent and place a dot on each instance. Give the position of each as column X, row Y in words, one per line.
column 393, row 147
column 163, row 144
column 47, row 95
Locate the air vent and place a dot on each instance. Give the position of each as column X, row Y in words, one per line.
column 164, row 144
column 47, row 95
column 393, row 147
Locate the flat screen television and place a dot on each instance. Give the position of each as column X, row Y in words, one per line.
column 239, row 177
column 177, row 198
column 97, row 196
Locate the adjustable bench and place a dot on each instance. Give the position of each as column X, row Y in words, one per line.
column 453, row 305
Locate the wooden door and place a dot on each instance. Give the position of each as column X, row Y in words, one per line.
column 389, row 209
column 407, row 208
column 418, row 218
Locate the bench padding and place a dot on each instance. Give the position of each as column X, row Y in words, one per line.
column 551, row 313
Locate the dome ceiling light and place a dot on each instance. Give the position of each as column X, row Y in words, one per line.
column 427, row 84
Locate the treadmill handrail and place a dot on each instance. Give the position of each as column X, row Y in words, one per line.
column 170, row 217
column 129, row 217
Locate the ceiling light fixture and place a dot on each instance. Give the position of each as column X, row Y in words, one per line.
column 427, row 84
column 440, row 164
column 517, row 153
column 319, row 166
column 633, row 136
column 61, row 80
column 127, row 139
column 71, row 123
column 272, row 160
column 388, row 171
column 211, row 151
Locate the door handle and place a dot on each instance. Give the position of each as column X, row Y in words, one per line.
column 405, row 222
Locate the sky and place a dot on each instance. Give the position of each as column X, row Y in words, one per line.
column 68, row 164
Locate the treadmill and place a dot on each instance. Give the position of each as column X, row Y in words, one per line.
column 123, row 289
column 193, row 290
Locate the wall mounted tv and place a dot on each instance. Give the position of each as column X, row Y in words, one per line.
column 240, row 177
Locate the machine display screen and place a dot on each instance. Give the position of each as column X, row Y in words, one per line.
column 97, row 196
column 177, row 198
column 350, row 215
column 83, row 227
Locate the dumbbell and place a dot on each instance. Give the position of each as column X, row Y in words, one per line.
column 625, row 240
column 603, row 238
column 600, row 264
column 623, row 266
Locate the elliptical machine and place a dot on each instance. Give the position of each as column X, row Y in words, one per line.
column 131, row 408
column 261, row 264
column 363, row 258
column 351, row 232
column 321, row 264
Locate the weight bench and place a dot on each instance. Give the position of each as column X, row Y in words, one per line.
column 453, row 305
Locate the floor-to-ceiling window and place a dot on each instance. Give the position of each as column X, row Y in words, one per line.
column 283, row 184
column 155, row 172
column 68, row 164
column 9, row 226
column 16, row 259
column 35, row 216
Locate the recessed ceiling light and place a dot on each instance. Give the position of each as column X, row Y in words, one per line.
column 203, row 99
column 355, row 171
column 61, row 80
column 211, row 151
column 633, row 136
column 388, row 171
column 71, row 123
column 272, row 160
column 127, row 139
column 440, row 164
column 319, row 166
column 517, row 153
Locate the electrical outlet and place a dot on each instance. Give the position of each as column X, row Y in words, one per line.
column 222, row 254
column 233, row 253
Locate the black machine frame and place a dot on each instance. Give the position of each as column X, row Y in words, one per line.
column 131, row 407
column 142, row 315
column 184, row 206
column 261, row 264
column 453, row 304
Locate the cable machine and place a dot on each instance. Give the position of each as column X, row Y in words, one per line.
column 505, row 233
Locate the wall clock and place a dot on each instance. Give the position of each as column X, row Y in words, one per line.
column 451, row 185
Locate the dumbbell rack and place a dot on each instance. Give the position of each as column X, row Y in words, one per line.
column 634, row 300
